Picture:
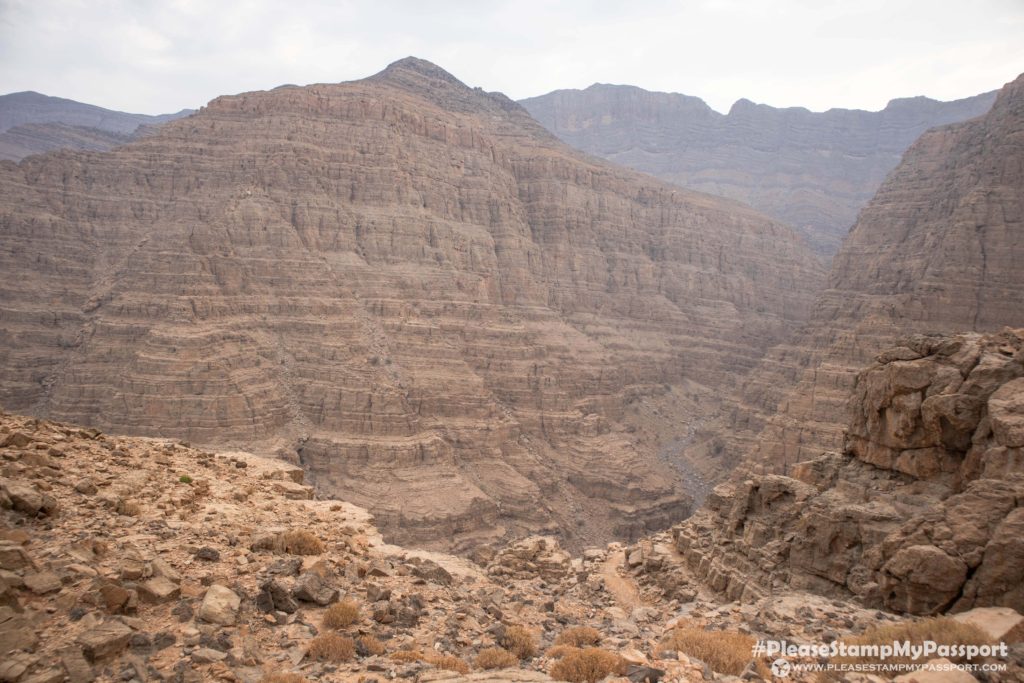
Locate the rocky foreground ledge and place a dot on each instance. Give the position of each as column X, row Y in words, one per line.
column 134, row 559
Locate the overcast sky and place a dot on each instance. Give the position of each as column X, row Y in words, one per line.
column 160, row 56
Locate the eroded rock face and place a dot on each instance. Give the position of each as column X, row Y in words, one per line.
column 923, row 511
column 813, row 171
column 403, row 284
column 936, row 251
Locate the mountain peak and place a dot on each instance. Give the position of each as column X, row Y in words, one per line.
column 413, row 69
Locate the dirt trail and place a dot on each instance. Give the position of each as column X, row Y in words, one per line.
column 623, row 588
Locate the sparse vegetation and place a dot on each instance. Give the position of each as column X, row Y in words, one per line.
column 332, row 647
column 407, row 656
column 283, row 677
column 587, row 666
column 559, row 651
column 370, row 645
column 185, row 479
column 446, row 662
column 520, row 641
column 131, row 508
column 301, row 542
column 579, row 636
column 495, row 658
column 942, row 630
column 341, row 614
column 726, row 652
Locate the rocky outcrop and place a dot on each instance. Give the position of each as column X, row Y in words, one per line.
column 813, row 171
column 402, row 284
column 31, row 123
column 921, row 513
column 936, row 251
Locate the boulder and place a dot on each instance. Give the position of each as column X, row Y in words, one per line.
column 220, row 606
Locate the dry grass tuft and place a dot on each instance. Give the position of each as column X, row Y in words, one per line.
column 131, row 508
column 283, row 677
column 446, row 662
column 559, row 651
column 301, row 542
column 588, row 666
column 331, row 647
column 371, row 645
column 942, row 630
column 495, row 658
column 407, row 656
column 520, row 641
column 341, row 614
column 579, row 636
column 726, row 652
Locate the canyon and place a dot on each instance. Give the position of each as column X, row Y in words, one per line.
column 407, row 286
column 813, row 171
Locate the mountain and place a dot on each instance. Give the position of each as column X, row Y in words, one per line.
column 812, row 171
column 407, row 286
column 31, row 123
column 900, row 483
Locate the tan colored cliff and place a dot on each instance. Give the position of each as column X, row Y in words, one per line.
column 402, row 283
column 922, row 512
column 813, row 171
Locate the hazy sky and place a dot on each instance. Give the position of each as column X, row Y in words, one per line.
column 153, row 56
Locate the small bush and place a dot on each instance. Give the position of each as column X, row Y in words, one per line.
column 341, row 614
column 559, row 651
column 942, row 630
column 446, row 662
column 331, row 647
column 519, row 641
column 726, row 652
column 407, row 656
column 587, row 666
column 283, row 677
column 370, row 645
column 579, row 636
column 131, row 508
column 301, row 542
column 185, row 479
column 495, row 658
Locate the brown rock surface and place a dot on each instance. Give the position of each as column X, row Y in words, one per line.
column 404, row 285
column 936, row 251
column 922, row 513
column 813, row 171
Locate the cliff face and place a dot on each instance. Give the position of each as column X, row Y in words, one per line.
column 405, row 284
column 813, row 171
column 31, row 123
column 923, row 511
column 937, row 250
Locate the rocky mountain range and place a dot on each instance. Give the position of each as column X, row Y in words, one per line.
column 31, row 123
column 404, row 284
column 811, row 170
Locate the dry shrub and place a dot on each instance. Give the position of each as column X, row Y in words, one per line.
column 283, row 677
column 331, row 647
column 519, row 641
column 301, row 542
column 495, row 658
column 341, row 614
column 407, row 656
column 942, row 630
column 446, row 662
column 131, row 508
column 579, row 636
column 559, row 651
column 588, row 666
column 726, row 652
column 371, row 645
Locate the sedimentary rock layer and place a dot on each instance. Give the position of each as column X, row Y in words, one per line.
column 404, row 284
column 923, row 512
column 937, row 250
column 813, row 171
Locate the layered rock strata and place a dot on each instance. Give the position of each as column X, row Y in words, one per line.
column 403, row 284
column 813, row 171
column 923, row 511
